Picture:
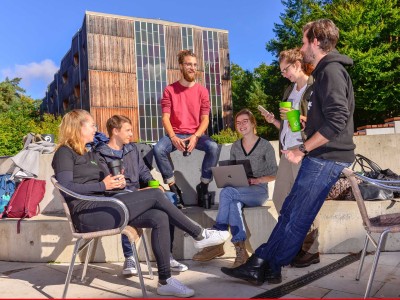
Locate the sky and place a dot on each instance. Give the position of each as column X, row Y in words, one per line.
column 37, row 34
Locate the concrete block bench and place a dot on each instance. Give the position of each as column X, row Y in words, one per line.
column 47, row 238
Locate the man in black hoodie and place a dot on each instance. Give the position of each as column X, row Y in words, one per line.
column 328, row 149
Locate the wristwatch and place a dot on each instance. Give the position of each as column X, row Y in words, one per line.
column 303, row 149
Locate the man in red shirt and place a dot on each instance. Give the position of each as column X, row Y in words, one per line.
column 185, row 114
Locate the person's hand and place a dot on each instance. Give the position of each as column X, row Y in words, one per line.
column 269, row 117
column 178, row 143
column 114, row 182
column 192, row 142
column 254, row 181
column 294, row 156
column 303, row 121
column 283, row 111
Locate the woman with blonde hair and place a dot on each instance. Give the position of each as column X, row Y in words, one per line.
column 81, row 171
column 298, row 93
column 261, row 156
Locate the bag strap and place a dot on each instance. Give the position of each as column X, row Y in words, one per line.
column 31, row 184
column 366, row 164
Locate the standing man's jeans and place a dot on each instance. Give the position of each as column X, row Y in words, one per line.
column 314, row 180
column 126, row 245
column 231, row 202
column 164, row 147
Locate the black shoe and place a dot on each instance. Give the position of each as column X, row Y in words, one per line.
column 305, row 259
column 177, row 191
column 272, row 277
column 203, row 196
column 253, row 270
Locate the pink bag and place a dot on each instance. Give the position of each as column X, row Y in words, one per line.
column 24, row 203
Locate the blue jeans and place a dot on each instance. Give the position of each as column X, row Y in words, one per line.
column 231, row 202
column 126, row 245
column 314, row 180
column 164, row 147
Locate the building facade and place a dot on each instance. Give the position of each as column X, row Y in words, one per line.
column 121, row 65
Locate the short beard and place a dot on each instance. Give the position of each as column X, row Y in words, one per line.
column 187, row 77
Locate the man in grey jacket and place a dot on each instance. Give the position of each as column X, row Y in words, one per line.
column 328, row 149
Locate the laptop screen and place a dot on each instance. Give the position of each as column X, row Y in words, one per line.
column 245, row 162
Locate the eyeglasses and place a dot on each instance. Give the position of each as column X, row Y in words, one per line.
column 284, row 70
column 240, row 123
column 190, row 65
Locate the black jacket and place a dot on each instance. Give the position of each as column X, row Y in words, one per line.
column 331, row 108
column 135, row 170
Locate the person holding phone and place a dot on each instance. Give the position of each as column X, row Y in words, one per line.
column 298, row 93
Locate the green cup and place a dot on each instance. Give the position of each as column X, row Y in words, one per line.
column 153, row 183
column 293, row 117
column 285, row 104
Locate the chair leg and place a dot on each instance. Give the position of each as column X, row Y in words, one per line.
column 375, row 263
column 139, row 269
column 88, row 254
column 71, row 268
column 147, row 257
column 363, row 253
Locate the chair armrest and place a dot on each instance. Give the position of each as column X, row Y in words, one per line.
column 93, row 198
column 392, row 185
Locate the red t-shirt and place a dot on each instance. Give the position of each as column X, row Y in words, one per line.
column 185, row 105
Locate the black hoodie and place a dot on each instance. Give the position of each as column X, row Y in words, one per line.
column 331, row 108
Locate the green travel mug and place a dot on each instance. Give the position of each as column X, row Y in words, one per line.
column 153, row 183
column 293, row 117
column 285, row 104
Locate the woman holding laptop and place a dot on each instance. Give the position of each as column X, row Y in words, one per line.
column 261, row 155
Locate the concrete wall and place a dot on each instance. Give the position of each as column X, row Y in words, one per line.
column 48, row 238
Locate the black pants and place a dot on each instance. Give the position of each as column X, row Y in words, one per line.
column 147, row 209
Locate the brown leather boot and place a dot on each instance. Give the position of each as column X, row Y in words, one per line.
column 241, row 254
column 209, row 253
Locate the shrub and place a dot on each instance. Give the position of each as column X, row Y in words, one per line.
column 226, row 136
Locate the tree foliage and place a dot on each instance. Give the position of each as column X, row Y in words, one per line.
column 19, row 116
column 369, row 34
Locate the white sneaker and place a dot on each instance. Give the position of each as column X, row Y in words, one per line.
column 174, row 288
column 176, row 265
column 129, row 266
column 212, row 238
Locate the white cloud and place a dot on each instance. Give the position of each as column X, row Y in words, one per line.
column 43, row 71
column 35, row 76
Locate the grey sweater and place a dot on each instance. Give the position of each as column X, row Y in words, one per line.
column 262, row 157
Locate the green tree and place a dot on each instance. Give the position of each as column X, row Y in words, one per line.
column 21, row 117
column 10, row 93
column 370, row 36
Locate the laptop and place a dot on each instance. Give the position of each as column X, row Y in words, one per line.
column 230, row 175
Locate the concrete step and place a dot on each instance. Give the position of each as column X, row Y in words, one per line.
column 47, row 238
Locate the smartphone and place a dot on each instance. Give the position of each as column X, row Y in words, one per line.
column 263, row 110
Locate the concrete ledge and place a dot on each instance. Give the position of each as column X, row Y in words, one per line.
column 48, row 238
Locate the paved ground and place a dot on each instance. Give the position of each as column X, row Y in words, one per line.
column 104, row 280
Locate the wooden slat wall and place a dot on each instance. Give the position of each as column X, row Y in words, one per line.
column 198, row 48
column 226, row 88
column 111, row 53
column 102, row 114
column 110, row 89
column 110, row 26
column 173, row 44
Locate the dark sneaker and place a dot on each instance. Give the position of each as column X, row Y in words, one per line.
column 305, row 259
column 179, row 200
